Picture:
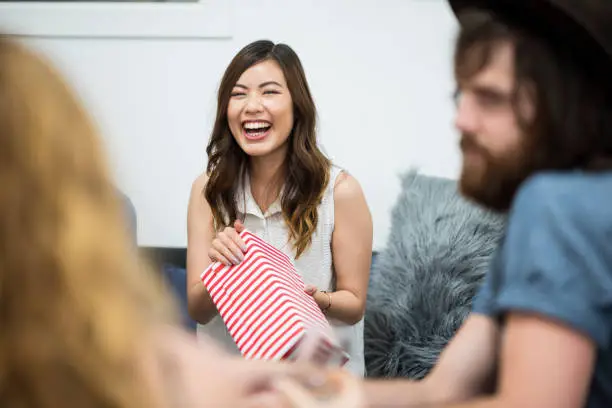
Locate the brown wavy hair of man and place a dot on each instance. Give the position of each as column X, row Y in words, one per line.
column 568, row 86
column 307, row 169
column 75, row 301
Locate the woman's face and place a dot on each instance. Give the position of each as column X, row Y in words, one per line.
column 260, row 110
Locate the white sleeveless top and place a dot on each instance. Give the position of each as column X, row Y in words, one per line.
column 315, row 264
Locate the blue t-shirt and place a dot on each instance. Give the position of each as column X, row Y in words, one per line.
column 556, row 261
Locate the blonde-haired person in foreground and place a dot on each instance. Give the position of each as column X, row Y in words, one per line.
column 82, row 322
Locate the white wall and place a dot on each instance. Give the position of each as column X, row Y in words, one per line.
column 380, row 72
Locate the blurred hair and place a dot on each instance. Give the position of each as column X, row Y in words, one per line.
column 75, row 301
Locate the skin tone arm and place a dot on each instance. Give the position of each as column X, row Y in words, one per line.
column 185, row 372
column 200, row 233
column 543, row 364
column 351, row 251
column 464, row 370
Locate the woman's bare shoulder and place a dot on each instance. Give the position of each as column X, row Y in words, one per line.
column 200, row 182
column 347, row 188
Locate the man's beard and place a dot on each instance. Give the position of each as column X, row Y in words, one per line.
column 495, row 184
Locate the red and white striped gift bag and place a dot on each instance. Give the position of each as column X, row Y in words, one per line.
column 263, row 304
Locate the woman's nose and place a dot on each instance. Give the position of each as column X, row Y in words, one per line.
column 253, row 104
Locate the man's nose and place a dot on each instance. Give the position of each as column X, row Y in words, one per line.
column 466, row 116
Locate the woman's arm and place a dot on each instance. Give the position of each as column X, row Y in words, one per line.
column 200, row 233
column 351, row 251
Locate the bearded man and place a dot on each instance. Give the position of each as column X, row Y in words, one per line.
column 534, row 111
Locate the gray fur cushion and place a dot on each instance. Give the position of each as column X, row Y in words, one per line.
column 422, row 284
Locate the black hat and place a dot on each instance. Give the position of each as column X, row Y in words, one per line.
column 584, row 25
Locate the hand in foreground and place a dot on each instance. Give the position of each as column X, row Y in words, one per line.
column 341, row 390
column 198, row 373
column 227, row 247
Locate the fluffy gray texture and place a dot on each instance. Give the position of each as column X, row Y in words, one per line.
column 422, row 284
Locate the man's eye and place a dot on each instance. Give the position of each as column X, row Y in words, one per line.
column 456, row 96
column 490, row 99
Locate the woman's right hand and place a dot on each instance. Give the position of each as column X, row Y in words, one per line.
column 227, row 247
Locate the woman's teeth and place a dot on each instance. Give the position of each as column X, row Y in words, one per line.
column 256, row 125
column 256, row 128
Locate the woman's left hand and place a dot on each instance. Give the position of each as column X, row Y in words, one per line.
column 310, row 289
column 323, row 299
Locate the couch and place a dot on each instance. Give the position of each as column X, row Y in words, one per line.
column 424, row 280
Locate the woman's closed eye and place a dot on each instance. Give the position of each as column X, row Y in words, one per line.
column 241, row 94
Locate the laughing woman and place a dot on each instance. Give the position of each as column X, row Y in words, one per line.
column 266, row 172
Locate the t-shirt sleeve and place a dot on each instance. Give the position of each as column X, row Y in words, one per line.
column 484, row 298
column 556, row 259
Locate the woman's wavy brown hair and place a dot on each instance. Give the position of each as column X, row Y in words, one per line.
column 307, row 169
column 75, row 302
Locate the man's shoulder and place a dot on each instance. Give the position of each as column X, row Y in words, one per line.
column 571, row 196
column 566, row 184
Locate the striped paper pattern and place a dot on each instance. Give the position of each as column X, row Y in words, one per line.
column 262, row 302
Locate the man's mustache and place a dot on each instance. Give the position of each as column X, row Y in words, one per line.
column 468, row 142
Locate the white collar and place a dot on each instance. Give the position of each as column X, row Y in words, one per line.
column 246, row 204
